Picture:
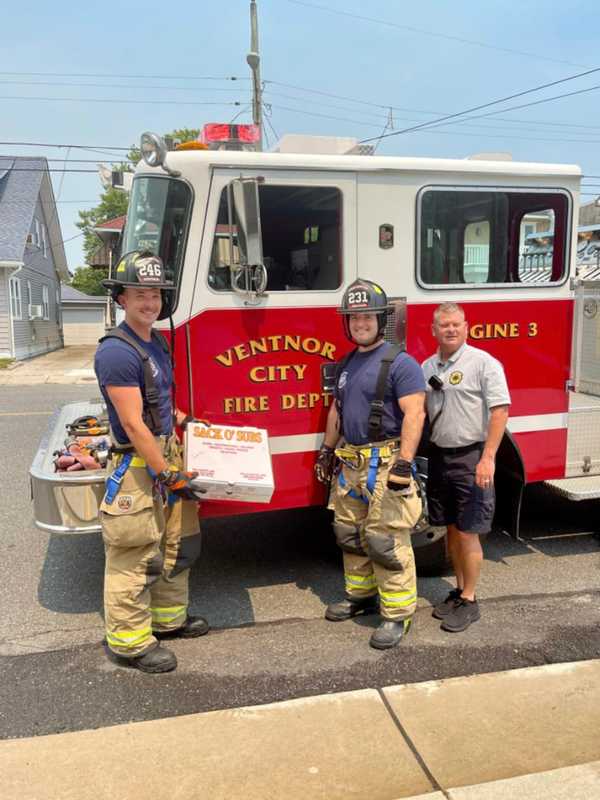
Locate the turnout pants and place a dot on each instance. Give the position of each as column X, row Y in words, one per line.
column 373, row 527
column 150, row 545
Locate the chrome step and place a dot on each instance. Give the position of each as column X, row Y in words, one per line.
column 586, row 488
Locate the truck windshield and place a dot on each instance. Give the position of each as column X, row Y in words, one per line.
column 157, row 220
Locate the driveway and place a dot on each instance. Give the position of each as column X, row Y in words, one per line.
column 74, row 365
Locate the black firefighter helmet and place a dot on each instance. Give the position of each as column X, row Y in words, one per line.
column 365, row 297
column 143, row 269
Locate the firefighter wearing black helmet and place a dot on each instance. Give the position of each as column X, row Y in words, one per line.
column 149, row 512
column 373, row 429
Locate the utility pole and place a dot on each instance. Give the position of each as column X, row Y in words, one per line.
column 253, row 59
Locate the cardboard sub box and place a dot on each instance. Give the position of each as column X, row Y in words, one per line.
column 232, row 463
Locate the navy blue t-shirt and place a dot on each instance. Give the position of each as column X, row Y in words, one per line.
column 118, row 364
column 356, row 389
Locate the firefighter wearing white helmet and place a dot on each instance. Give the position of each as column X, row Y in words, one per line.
column 373, row 429
column 150, row 509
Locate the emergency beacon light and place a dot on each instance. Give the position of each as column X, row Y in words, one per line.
column 224, row 136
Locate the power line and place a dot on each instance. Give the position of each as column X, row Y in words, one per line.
column 439, row 129
column 45, row 169
column 112, row 75
column 533, row 103
column 491, row 103
column 410, row 110
column 43, row 202
column 97, row 148
column 485, row 128
column 423, row 32
column 127, row 102
column 119, row 86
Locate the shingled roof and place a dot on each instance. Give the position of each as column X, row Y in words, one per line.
column 22, row 180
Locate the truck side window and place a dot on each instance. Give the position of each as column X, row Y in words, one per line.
column 477, row 237
column 301, row 231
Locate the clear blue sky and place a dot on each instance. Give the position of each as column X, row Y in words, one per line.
column 424, row 58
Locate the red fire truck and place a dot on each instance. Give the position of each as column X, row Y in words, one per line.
column 261, row 246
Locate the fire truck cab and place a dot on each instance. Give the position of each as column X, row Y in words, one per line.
column 261, row 246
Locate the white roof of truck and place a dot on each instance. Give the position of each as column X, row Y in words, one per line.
column 183, row 160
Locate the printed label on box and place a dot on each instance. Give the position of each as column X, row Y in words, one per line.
column 232, row 463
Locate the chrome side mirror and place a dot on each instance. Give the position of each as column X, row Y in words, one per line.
column 249, row 276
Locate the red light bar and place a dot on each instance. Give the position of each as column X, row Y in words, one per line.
column 224, row 132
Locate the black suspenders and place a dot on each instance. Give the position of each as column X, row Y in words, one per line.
column 151, row 415
column 376, row 409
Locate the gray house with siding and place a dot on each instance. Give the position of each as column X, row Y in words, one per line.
column 32, row 260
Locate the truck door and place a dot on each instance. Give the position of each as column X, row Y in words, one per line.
column 257, row 361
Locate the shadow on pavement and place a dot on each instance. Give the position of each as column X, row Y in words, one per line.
column 72, row 574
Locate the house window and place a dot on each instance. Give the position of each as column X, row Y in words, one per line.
column 477, row 237
column 44, row 241
column 38, row 235
column 46, row 302
column 29, row 298
column 16, row 305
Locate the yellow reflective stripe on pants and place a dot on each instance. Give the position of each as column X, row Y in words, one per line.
column 129, row 638
column 360, row 581
column 166, row 615
column 398, row 599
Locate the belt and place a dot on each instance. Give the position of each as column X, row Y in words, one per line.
column 455, row 451
column 136, row 461
column 355, row 451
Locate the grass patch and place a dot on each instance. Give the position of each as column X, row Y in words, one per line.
column 6, row 362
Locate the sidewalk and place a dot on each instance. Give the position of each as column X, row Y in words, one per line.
column 74, row 365
column 530, row 734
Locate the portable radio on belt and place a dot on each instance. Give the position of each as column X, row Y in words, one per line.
column 438, row 386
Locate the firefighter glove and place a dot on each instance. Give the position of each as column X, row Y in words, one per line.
column 180, row 484
column 324, row 463
column 399, row 476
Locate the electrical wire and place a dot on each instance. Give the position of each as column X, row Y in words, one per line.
column 120, row 86
column 480, row 127
column 493, row 103
column 96, row 148
column 533, row 103
column 113, row 100
column 112, row 75
column 435, row 34
column 542, row 123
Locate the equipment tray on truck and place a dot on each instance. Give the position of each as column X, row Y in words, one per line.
column 66, row 502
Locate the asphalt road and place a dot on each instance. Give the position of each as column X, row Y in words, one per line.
column 263, row 583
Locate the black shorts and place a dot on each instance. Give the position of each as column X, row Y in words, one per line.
column 453, row 498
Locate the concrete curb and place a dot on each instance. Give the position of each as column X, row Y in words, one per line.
column 527, row 733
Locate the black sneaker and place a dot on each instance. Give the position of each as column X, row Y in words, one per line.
column 445, row 607
column 462, row 615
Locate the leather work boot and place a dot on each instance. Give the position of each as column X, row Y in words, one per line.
column 390, row 633
column 159, row 659
column 193, row 627
column 346, row 609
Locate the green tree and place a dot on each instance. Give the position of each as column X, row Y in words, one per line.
column 113, row 203
column 89, row 280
